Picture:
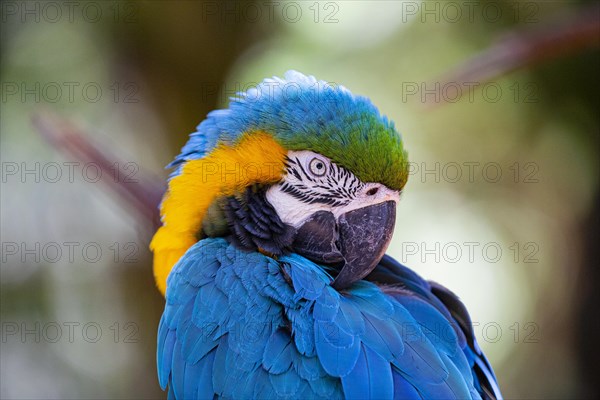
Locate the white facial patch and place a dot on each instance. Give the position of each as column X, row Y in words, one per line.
column 315, row 183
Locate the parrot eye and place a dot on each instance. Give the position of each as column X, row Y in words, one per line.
column 317, row 167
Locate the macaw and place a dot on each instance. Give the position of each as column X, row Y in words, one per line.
column 272, row 257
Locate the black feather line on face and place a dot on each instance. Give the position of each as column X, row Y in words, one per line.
column 337, row 188
column 306, row 175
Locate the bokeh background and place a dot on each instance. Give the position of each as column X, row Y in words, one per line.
column 501, row 206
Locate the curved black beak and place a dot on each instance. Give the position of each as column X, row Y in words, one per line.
column 365, row 234
column 357, row 241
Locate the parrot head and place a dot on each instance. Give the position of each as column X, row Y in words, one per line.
column 294, row 165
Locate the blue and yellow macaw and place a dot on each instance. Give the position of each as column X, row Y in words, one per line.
column 272, row 257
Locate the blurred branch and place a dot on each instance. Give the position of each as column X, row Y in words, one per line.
column 529, row 47
column 141, row 194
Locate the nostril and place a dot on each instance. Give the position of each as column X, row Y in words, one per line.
column 372, row 191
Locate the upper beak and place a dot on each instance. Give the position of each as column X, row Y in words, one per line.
column 358, row 239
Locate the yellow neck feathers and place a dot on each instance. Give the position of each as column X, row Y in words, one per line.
column 255, row 158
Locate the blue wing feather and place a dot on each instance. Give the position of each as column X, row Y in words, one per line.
column 403, row 389
column 371, row 377
column 279, row 353
column 384, row 337
column 309, row 368
column 338, row 357
column 178, row 372
column 349, row 318
column 203, row 380
column 287, row 384
column 165, row 355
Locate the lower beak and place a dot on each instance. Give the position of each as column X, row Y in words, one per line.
column 357, row 241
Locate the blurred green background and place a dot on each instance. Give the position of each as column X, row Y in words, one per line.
column 501, row 206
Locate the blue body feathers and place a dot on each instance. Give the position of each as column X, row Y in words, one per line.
column 239, row 324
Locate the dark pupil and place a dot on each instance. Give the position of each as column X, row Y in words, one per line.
column 319, row 165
